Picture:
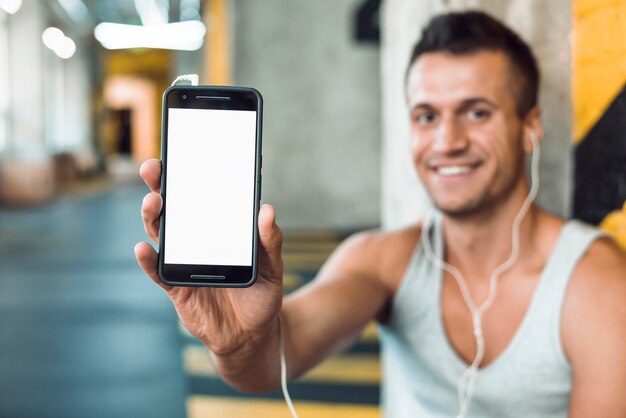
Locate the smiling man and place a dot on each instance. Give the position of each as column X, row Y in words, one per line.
column 535, row 304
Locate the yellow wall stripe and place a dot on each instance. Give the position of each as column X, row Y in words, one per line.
column 599, row 59
column 353, row 368
column 208, row 406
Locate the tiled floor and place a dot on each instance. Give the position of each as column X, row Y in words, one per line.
column 84, row 334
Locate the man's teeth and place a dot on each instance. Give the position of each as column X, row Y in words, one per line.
column 453, row 170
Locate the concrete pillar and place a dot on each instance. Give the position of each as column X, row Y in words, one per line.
column 4, row 82
column 547, row 28
column 26, row 135
column 26, row 171
column 321, row 94
column 403, row 199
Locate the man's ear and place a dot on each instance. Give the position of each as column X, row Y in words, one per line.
column 533, row 129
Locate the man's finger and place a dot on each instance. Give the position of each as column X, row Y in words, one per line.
column 150, row 172
column 148, row 261
column 150, row 211
column 270, row 244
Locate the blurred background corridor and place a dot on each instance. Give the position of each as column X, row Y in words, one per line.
column 83, row 333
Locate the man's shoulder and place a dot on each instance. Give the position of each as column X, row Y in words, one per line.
column 600, row 274
column 602, row 258
column 603, row 263
column 381, row 240
column 382, row 245
column 594, row 308
column 384, row 253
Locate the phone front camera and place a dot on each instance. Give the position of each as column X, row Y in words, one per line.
column 184, row 96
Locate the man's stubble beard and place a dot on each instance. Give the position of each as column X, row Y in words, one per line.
column 486, row 203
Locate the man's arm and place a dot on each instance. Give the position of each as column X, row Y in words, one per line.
column 355, row 285
column 241, row 326
column 328, row 315
column 320, row 319
column 594, row 333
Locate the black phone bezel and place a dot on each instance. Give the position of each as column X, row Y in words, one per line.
column 223, row 98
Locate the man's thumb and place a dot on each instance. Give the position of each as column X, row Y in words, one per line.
column 270, row 242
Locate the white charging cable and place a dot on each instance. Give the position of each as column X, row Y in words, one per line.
column 192, row 79
column 467, row 382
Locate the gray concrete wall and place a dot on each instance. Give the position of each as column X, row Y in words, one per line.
column 547, row 27
column 322, row 109
column 403, row 197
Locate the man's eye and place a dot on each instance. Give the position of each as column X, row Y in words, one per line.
column 425, row 118
column 478, row 114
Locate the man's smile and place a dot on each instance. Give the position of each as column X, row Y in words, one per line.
column 453, row 168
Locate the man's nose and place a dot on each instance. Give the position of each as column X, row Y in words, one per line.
column 449, row 136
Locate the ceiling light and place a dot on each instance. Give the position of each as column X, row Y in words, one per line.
column 55, row 39
column 66, row 49
column 186, row 36
column 52, row 37
column 10, row 6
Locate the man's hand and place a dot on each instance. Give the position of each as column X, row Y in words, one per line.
column 226, row 320
column 241, row 326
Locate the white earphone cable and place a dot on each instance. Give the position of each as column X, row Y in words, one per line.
column 467, row 382
column 283, row 371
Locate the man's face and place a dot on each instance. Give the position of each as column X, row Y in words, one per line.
column 466, row 136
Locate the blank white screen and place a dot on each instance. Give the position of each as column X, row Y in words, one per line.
column 209, row 198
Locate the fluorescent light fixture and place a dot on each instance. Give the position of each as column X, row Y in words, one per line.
column 55, row 39
column 10, row 6
column 185, row 36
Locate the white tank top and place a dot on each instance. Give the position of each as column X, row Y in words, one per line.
column 531, row 378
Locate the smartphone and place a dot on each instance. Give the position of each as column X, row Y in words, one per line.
column 210, row 185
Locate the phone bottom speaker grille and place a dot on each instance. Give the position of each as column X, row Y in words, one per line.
column 207, row 276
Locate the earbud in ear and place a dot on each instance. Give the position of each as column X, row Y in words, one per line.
column 533, row 138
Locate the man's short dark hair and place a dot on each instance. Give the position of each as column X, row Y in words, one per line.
column 461, row 33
